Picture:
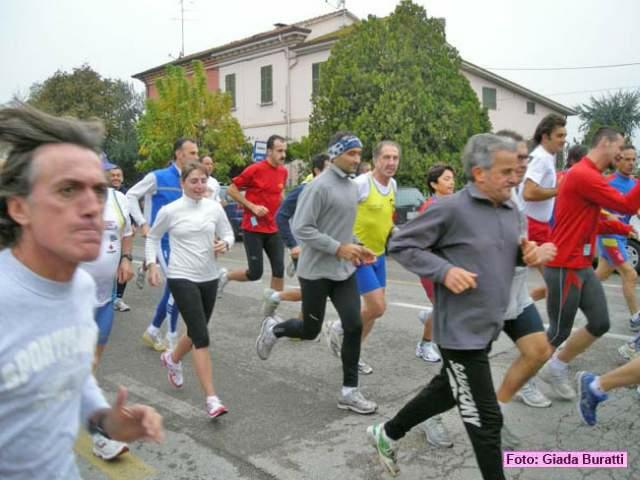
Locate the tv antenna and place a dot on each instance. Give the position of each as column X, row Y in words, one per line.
column 341, row 5
column 182, row 19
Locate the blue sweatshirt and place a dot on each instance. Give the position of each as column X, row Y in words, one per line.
column 46, row 386
column 285, row 214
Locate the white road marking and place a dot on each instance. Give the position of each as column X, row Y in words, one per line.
column 413, row 306
column 155, row 397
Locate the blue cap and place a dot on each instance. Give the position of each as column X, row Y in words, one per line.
column 106, row 164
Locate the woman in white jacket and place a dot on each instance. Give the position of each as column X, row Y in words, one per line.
column 198, row 231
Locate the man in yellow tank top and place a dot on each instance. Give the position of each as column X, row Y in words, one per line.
column 374, row 222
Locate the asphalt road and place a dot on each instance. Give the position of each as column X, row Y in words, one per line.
column 284, row 423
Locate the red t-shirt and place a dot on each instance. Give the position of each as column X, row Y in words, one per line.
column 263, row 185
column 426, row 204
column 583, row 192
column 427, row 283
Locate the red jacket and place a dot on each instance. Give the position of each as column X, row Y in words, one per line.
column 583, row 192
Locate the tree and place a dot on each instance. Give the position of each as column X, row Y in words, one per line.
column 300, row 150
column 84, row 94
column 397, row 78
column 620, row 110
column 186, row 108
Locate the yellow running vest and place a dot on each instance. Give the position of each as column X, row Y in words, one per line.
column 374, row 219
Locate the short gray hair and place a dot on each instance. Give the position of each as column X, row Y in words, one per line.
column 377, row 151
column 480, row 150
column 24, row 129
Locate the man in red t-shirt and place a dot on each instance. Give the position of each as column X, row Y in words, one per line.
column 262, row 184
column 571, row 281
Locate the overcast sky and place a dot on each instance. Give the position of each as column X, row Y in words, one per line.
column 121, row 37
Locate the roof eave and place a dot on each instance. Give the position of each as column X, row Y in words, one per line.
column 525, row 92
column 259, row 39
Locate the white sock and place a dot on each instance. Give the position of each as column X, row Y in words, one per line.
column 213, row 399
column 172, row 334
column 152, row 330
column 558, row 364
column 595, row 387
column 501, row 405
column 275, row 297
column 347, row 390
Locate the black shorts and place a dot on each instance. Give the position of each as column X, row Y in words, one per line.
column 526, row 323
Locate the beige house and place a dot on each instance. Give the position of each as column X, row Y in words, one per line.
column 271, row 77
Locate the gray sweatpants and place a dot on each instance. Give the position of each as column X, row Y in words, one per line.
column 567, row 290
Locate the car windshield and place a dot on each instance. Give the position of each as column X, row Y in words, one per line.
column 409, row 196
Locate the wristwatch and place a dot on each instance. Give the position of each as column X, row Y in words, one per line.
column 97, row 425
column 128, row 256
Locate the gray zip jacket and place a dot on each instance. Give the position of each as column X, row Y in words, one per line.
column 323, row 221
column 464, row 230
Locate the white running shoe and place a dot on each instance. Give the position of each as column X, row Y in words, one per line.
column 267, row 339
column 558, row 380
column 215, row 408
column 120, row 306
column 269, row 305
column 174, row 370
column 356, row 402
column 428, row 351
column 106, row 448
column 154, row 341
column 436, row 433
column 530, row 395
column 364, row 368
column 628, row 351
column 222, row 281
column 334, row 338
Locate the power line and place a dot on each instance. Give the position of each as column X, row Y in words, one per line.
column 592, row 91
column 553, row 69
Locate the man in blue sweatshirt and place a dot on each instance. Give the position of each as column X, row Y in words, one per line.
column 52, row 194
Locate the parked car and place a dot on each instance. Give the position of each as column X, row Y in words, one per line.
column 633, row 246
column 408, row 200
column 233, row 210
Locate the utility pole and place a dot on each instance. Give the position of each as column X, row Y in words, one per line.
column 341, row 5
column 182, row 28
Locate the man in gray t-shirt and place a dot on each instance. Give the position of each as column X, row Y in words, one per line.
column 52, row 193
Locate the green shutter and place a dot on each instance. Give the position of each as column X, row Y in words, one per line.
column 531, row 108
column 489, row 98
column 315, row 78
column 230, row 87
column 266, row 84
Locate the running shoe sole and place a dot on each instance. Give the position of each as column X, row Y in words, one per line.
column 148, row 341
column 122, row 451
column 524, row 400
column 345, row 406
column 579, row 398
column 218, row 412
column 394, row 470
column 263, row 331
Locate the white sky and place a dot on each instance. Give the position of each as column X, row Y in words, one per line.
column 121, row 37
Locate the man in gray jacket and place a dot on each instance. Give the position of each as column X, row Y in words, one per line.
column 469, row 245
column 323, row 225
